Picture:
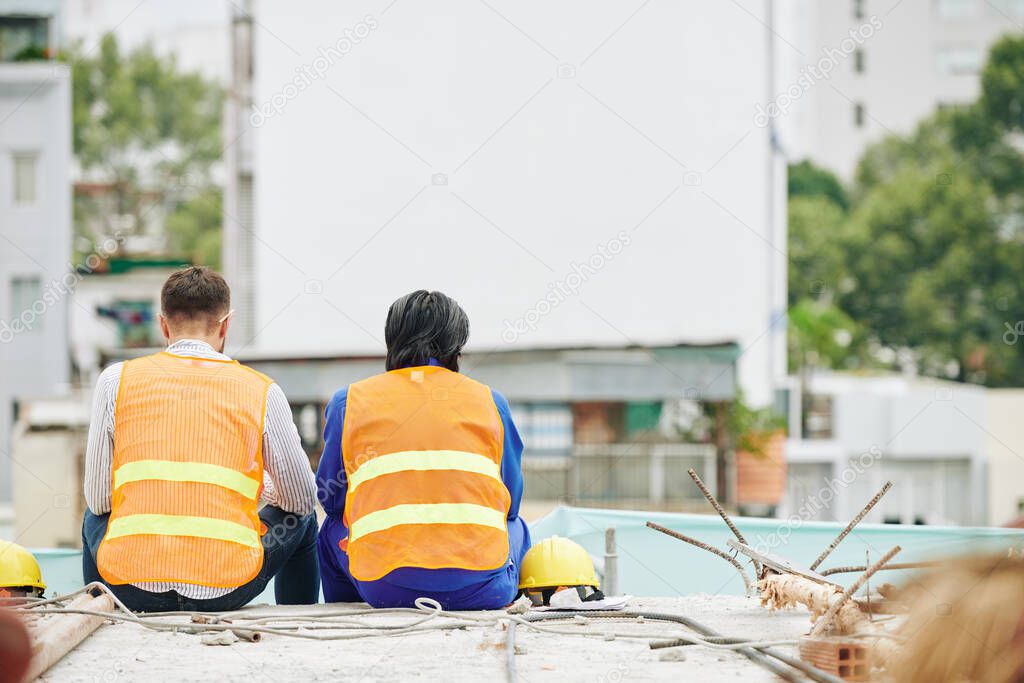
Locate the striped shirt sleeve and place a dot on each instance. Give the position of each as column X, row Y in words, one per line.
column 293, row 487
column 99, row 449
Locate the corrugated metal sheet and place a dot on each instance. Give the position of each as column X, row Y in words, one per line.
column 634, row 374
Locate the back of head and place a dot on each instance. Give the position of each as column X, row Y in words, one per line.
column 424, row 325
column 195, row 299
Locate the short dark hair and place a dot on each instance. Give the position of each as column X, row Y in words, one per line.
column 424, row 325
column 193, row 293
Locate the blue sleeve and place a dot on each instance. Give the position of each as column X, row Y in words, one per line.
column 511, row 456
column 331, row 483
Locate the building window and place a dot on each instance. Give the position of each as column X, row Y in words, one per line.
column 958, row 60
column 24, row 38
column 858, row 115
column 25, row 177
column 956, row 9
column 858, row 61
column 858, row 9
column 27, row 305
column 544, row 427
column 818, row 417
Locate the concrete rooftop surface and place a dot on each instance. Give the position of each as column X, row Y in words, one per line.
column 129, row 652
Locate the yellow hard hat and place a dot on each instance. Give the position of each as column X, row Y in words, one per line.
column 18, row 567
column 556, row 562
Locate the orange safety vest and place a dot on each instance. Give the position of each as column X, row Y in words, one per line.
column 422, row 454
column 187, row 473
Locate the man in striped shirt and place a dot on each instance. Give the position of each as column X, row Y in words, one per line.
column 188, row 469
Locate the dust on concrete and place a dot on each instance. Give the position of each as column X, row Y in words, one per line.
column 126, row 652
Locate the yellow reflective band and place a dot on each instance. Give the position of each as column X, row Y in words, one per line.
column 404, row 461
column 427, row 513
column 200, row 472
column 180, row 525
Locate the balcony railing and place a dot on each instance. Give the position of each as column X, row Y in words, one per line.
column 622, row 475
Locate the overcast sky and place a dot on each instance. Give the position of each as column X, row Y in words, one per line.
column 196, row 30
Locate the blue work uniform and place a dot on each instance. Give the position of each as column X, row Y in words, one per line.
column 454, row 588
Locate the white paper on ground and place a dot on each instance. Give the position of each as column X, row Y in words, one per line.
column 570, row 600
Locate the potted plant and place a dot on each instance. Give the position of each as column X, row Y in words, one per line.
column 759, row 439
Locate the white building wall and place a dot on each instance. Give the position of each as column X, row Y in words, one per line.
column 923, row 54
column 1005, row 447
column 35, row 239
column 490, row 151
column 929, row 437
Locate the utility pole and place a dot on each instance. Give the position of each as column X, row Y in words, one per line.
column 238, row 250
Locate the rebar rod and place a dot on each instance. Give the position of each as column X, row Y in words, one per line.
column 810, row 670
column 826, row 619
column 894, row 565
column 753, row 654
column 849, row 527
column 510, row 653
column 711, row 549
column 722, row 513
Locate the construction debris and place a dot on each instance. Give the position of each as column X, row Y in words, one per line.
column 831, row 650
column 55, row 636
column 850, row 660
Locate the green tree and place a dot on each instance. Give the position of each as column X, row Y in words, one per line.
column 1002, row 84
column 144, row 130
column 808, row 180
column 816, row 258
column 194, row 228
column 931, row 266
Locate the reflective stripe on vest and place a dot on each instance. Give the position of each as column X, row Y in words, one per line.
column 434, row 513
column 404, row 461
column 183, row 525
column 187, row 473
column 422, row 452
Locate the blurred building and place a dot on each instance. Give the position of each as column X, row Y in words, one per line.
column 35, row 213
column 49, row 440
column 116, row 311
column 501, row 155
column 953, row 451
column 859, row 70
column 602, row 426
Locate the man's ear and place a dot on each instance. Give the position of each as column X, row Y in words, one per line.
column 164, row 329
column 222, row 331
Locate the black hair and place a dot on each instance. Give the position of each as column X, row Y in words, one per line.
column 424, row 325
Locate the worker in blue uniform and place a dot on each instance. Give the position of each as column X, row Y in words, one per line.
column 421, row 475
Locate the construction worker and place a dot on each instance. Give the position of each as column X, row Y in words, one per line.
column 183, row 447
column 420, row 475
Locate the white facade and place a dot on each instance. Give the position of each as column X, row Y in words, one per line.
column 953, row 452
column 35, row 228
column 1005, row 431
column 919, row 55
column 583, row 175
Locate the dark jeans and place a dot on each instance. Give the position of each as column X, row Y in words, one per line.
column 289, row 557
